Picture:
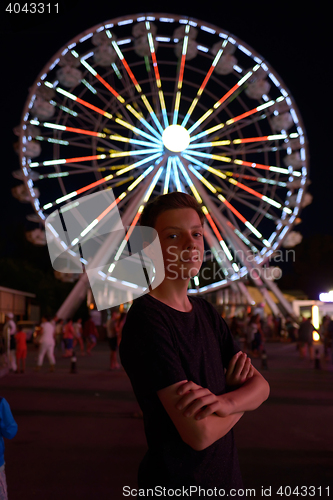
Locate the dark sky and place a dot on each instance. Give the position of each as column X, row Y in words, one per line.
column 296, row 42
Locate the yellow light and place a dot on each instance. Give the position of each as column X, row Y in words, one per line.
column 315, row 317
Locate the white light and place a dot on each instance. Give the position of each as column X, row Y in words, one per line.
column 315, row 318
column 326, row 297
column 176, row 138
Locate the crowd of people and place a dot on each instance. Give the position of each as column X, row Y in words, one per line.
column 255, row 329
column 66, row 336
column 55, row 335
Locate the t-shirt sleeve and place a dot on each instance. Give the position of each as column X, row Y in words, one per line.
column 148, row 353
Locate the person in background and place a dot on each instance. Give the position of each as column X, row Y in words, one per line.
column 21, row 350
column 8, row 430
column 46, row 343
column 305, row 338
column 235, row 329
column 59, row 331
column 78, row 334
column 91, row 334
column 325, row 335
column 8, row 333
column 68, row 338
column 120, row 325
column 111, row 332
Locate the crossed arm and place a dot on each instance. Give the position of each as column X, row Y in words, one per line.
column 201, row 417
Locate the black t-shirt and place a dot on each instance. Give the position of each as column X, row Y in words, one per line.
column 161, row 346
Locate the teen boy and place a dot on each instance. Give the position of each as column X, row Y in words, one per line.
column 175, row 349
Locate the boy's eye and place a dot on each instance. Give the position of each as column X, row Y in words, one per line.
column 172, row 236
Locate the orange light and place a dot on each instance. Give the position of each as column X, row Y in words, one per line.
column 315, row 336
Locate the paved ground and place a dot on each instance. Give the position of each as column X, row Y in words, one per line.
column 78, row 439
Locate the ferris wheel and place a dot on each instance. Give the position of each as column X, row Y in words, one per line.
column 154, row 103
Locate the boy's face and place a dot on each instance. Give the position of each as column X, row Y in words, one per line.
column 181, row 237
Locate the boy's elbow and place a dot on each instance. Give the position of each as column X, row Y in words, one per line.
column 197, row 444
column 198, row 439
column 266, row 390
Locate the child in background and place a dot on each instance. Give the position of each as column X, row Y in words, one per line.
column 8, row 429
column 21, row 350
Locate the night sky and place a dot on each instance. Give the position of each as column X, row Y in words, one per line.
column 297, row 43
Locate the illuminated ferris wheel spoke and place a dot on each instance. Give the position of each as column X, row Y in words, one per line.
column 272, row 168
column 264, row 138
column 138, row 163
column 132, row 226
column 229, row 205
column 108, row 115
column 203, row 85
column 189, row 181
column 124, row 193
column 139, row 90
column 101, row 79
column 228, row 142
column 132, row 141
column 143, row 121
column 254, row 110
column 157, row 75
column 61, row 161
column 218, row 235
column 167, row 176
column 237, row 161
column 138, row 131
column 176, row 174
column 240, row 185
column 56, row 126
column 262, row 180
column 180, row 76
column 94, row 223
column 232, row 121
column 209, row 131
column 209, row 156
column 135, row 152
column 223, row 99
column 78, row 192
column 84, row 103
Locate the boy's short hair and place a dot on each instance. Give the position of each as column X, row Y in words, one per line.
column 170, row 201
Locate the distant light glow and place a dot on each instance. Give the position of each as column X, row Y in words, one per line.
column 326, row 297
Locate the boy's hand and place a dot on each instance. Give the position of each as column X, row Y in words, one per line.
column 239, row 370
column 201, row 402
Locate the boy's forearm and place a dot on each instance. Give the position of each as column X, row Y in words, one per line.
column 210, row 429
column 249, row 396
column 217, row 427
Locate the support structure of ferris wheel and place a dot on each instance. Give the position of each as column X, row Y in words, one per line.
column 149, row 104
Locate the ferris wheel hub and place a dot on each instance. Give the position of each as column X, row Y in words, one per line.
column 176, row 138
